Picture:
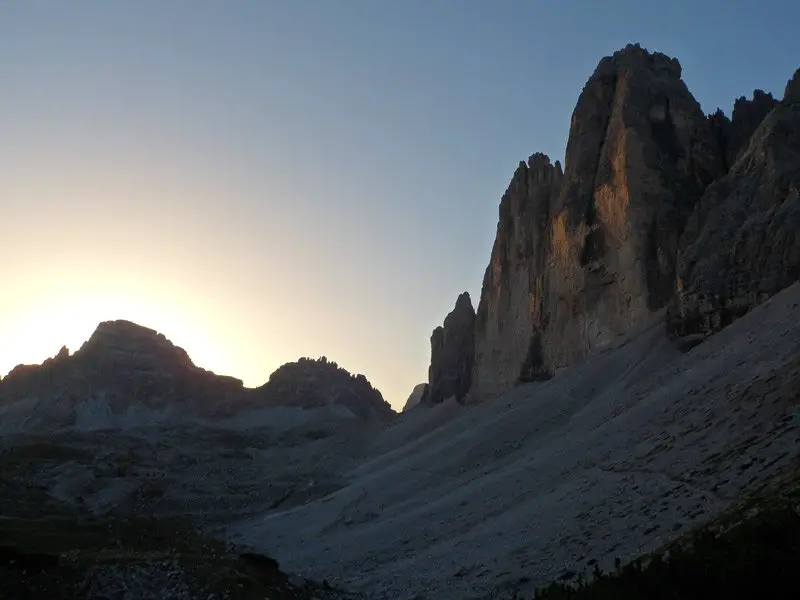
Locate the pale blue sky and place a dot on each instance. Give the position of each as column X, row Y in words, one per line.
column 263, row 180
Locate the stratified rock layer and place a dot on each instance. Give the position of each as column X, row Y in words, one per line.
column 452, row 353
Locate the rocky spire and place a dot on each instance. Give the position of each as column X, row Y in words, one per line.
column 452, row 353
column 510, row 310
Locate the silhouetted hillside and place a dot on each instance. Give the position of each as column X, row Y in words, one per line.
column 126, row 374
column 311, row 383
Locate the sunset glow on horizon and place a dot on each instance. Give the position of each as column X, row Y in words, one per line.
column 61, row 316
column 261, row 181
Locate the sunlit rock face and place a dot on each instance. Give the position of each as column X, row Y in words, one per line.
column 583, row 256
column 658, row 206
column 640, row 155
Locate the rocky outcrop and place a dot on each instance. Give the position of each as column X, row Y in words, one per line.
column 747, row 116
column 309, row 383
column 658, row 205
column 640, row 155
column 136, row 346
column 125, row 368
column 452, row 353
column 742, row 243
column 418, row 396
column 734, row 134
column 791, row 94
column 580, row 258
column 510, row 318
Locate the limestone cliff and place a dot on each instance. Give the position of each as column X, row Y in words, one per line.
column 452, row 353
column 742, row 243
column 581, row 258
column 639, row 156
column 509, row 321
column 658, row 205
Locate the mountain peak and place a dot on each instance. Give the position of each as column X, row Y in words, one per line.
column 316, row 383
column 126, row 340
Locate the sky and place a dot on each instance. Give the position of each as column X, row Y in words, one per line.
column 263, row 180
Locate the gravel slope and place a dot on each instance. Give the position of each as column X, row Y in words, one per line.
column 608, row 459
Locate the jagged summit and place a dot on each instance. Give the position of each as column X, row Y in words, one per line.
column 541, row 168
column 123, row 334
column 637, row 57
column 463, row 303
column 735, row 133
column 658, row 205
column 741, row 245
column 791, row 94
column 319, row 383
column 125, row 370
column 120, row 340
column 452, row 347
column 128, row 342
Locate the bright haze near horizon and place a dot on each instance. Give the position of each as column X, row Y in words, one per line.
column 264, row 180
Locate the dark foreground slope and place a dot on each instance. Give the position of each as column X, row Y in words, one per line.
column 49, row 551
column 751, row 553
